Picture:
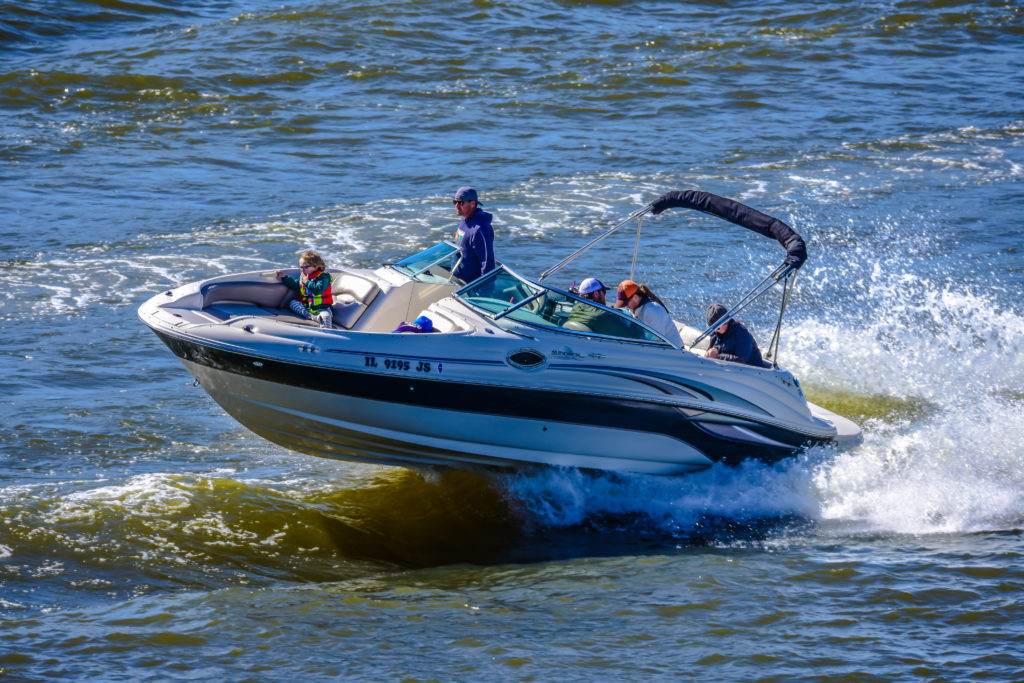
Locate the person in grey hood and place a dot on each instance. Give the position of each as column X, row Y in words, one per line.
column 731, row 341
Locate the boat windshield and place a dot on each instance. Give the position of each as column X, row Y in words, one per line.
column 430, row 265
column 506, row 296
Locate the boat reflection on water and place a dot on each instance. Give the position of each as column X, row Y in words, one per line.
column 501, row 380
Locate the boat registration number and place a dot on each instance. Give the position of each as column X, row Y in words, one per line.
column 401, row 364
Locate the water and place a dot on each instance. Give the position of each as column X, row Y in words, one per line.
column 145, row 535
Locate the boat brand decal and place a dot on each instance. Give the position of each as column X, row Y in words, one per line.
column 569, row 354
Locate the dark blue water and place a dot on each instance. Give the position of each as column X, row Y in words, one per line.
column 145, row 535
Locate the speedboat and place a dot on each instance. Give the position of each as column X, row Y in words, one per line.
column 502, row 379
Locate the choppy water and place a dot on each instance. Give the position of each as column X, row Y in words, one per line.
column 144, row 535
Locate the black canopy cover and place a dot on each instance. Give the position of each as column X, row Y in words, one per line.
column 740, row 214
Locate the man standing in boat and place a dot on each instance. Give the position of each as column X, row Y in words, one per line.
column 475, row 236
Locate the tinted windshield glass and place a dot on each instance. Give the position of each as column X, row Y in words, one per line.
column 431, row 265
column 500, row 291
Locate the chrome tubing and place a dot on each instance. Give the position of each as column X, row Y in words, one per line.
column 636, row 247
column 571, row 257
column 762, row 287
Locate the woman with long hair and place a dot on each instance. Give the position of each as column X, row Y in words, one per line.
column 648, row 308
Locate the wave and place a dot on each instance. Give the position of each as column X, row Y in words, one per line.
column 162, row 531
column 325, row 522
column 49, row 19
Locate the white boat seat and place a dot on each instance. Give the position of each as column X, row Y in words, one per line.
column 576, row 326
column 352, row 296
column 442, row 323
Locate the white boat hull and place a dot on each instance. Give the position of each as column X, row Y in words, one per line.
column 379, row 432
column 479, row 391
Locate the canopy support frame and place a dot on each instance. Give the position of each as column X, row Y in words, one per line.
column 773, row 346
column 572, row 257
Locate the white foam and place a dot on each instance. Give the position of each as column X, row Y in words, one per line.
column 950, row 473
column 565, row 498
column 142, row 495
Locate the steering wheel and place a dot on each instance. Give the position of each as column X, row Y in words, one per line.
column 537, row 304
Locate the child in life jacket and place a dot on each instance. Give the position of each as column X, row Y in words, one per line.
column 314, row 289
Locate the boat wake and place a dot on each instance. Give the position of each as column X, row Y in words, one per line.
column 933, row 373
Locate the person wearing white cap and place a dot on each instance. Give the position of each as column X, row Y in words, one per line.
column 593, row 289
column 598, row 318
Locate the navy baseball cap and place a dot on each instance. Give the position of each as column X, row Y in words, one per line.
column 467, row 194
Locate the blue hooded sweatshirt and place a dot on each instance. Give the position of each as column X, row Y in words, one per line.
column 737, row 345
column 477, row 246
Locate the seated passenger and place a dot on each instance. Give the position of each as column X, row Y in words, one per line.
column 313, row 288
column 732, row 341
column 649, row 309
column 599, row 320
